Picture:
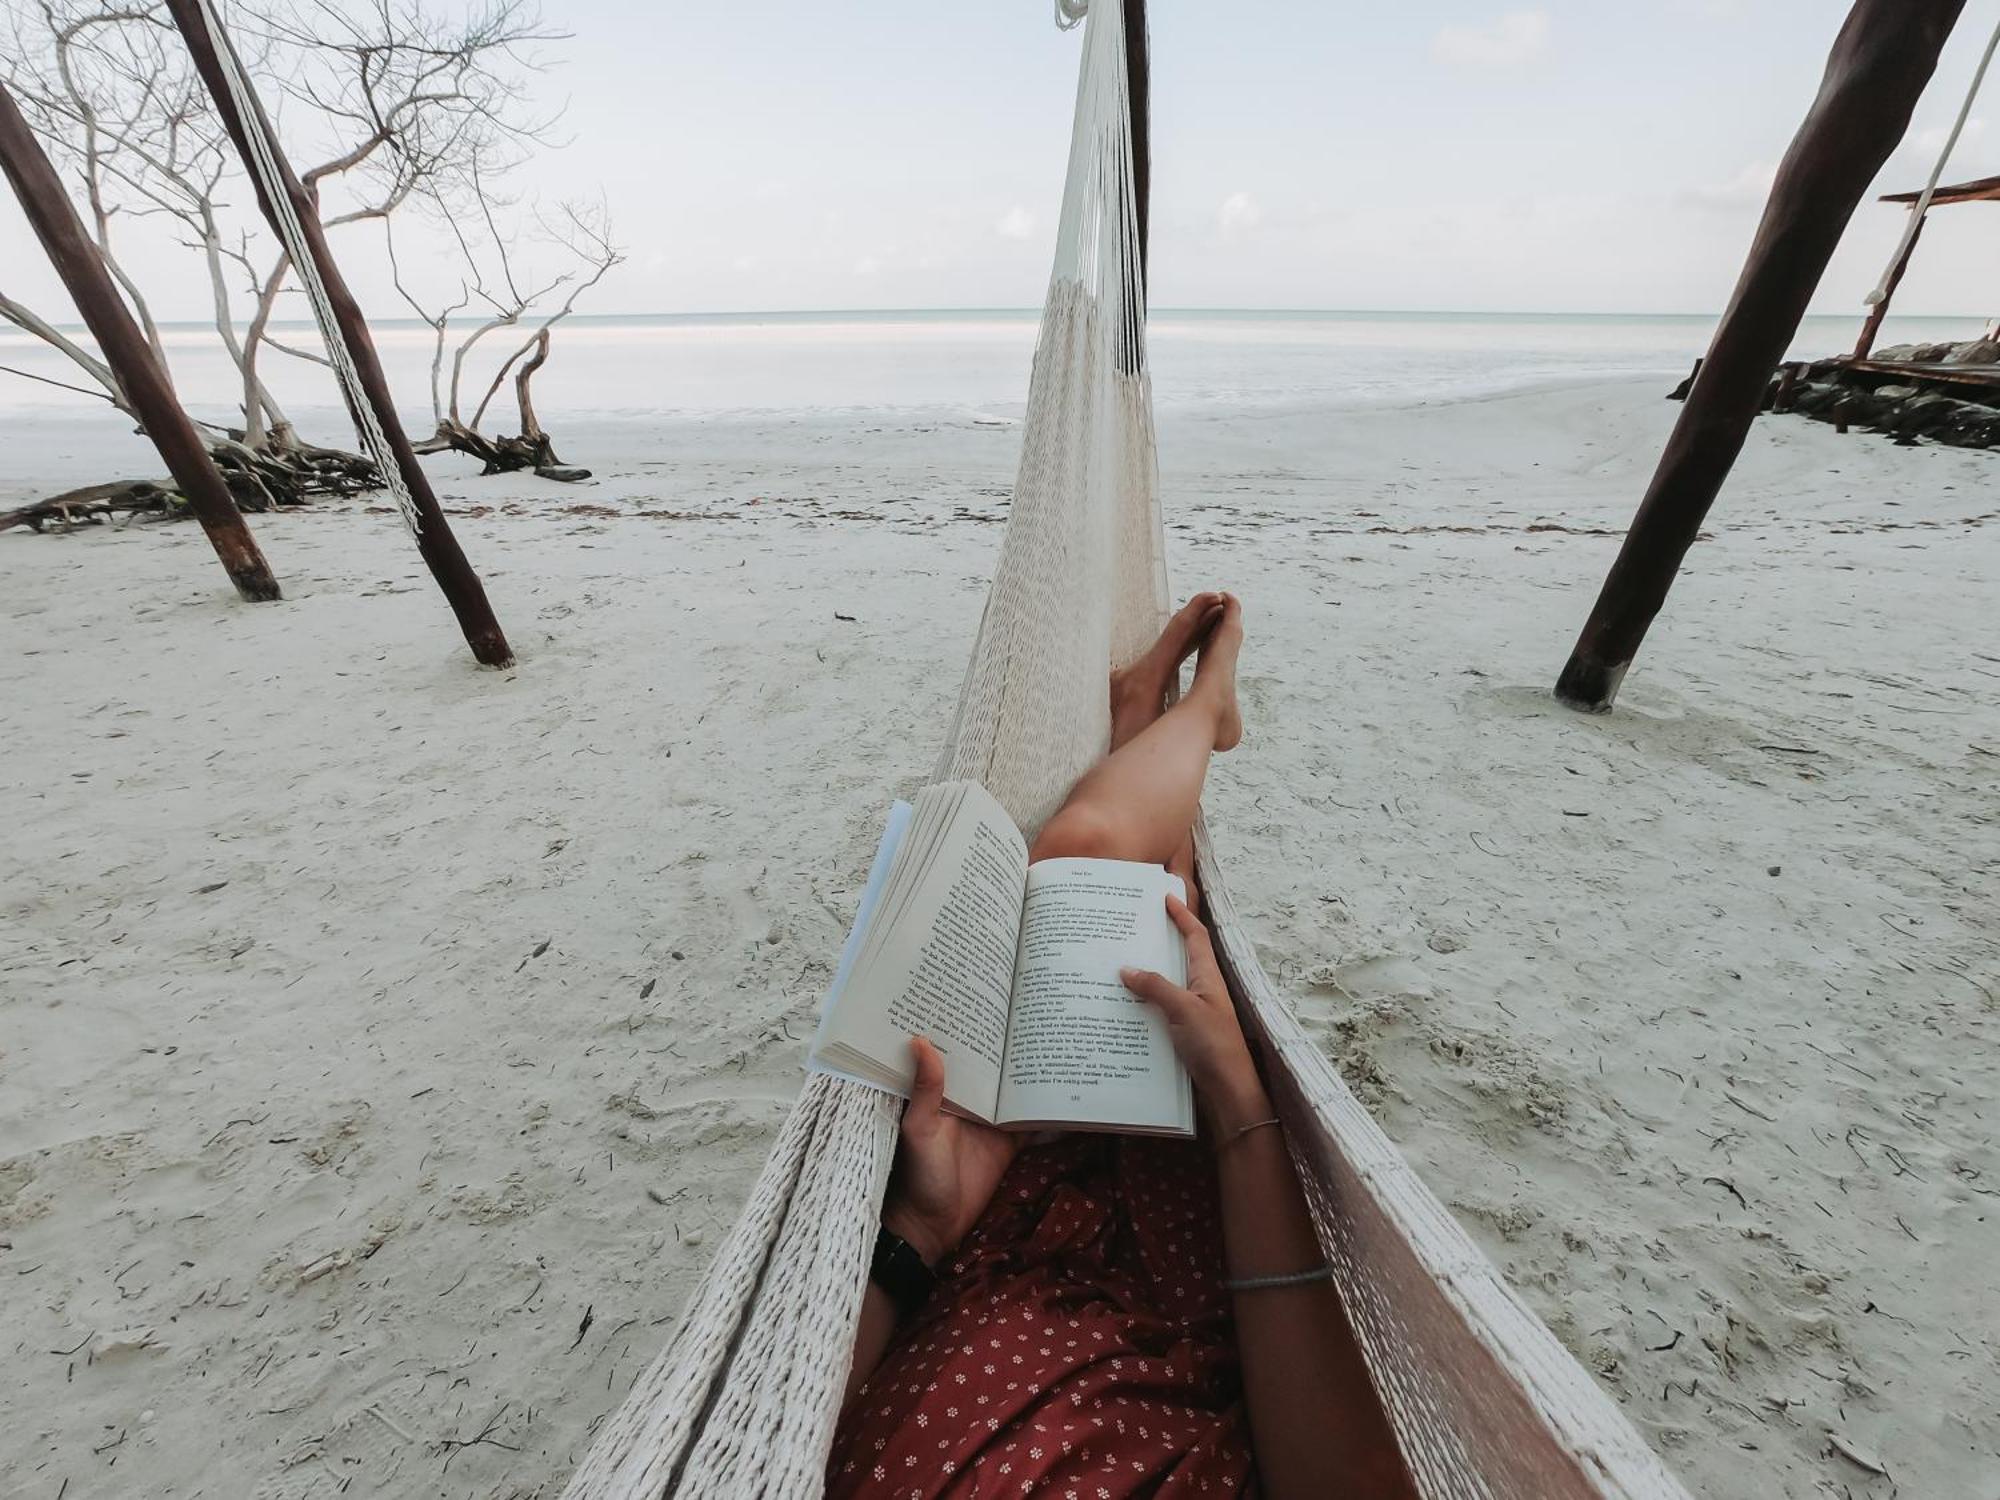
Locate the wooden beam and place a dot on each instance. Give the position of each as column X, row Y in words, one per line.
column 1865, row 345
column 141, row 377
column 1884, row 55
column 454, row 575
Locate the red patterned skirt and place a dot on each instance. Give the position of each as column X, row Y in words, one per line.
column 1078, row 1345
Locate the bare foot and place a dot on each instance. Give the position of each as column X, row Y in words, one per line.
column 1215, row 673
column 1139, row 691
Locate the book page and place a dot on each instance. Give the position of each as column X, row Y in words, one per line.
column 1081, row 1048
column 942, row 958
column 893, row 833
column 931, row 811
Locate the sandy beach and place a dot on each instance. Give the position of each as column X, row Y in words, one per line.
column 387, row 1043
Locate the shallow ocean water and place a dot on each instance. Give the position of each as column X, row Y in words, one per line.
column 978, row 361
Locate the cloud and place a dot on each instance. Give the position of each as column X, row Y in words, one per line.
column 1517, row 37
column 868, row 265
column 1746, row 189
column 1015, row 224
column 1239, row 212
column 1931, row 141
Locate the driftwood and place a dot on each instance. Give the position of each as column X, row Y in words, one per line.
column 502, row 455
column 281, row 471
column 533, row 449
column 258, row 479
column 94, row 503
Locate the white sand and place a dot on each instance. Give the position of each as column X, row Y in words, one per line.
column 387, row 1044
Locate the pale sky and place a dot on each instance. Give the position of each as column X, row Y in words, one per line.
column 1464, row 155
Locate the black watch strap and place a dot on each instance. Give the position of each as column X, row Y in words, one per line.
column 901, row 1272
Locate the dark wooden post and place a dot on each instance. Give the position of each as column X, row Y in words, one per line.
column 1884, row 55
column 1865, row 345
column 1139, row 88
column 440, row 549
column 1130, row 352
column 141, row 377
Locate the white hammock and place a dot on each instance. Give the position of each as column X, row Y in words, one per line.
column 743, row 1402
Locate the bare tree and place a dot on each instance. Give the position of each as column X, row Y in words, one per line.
column 410, row 102
column 394, row 101
column 98, row 101
column 576, row 236
column 113, row 98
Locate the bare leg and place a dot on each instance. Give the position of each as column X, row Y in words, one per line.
column 1139, row 803
column 1139, row 697
column 1139, row 692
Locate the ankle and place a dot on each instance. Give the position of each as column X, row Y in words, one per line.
column 1204, row 697
column 1138, row 691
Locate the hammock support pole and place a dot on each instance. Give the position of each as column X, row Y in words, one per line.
column 1139, row 90
column 1865, row 345
column 140, row 375
column 441, row 553
column 1883, row 57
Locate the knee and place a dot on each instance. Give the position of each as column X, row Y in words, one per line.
column 1075, row 832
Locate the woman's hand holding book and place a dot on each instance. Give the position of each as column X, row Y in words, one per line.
column 1201, row 1019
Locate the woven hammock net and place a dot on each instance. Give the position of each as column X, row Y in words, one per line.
column 743, row 1402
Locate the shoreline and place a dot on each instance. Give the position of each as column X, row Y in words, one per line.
column 807, row 365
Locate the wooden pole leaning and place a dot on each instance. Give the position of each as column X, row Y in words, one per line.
column 441, row 553
column 1883, row 57
column 141, row 378
column 1865, row 345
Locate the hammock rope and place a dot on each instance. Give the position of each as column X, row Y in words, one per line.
column 1922, row 206
column 264, row 165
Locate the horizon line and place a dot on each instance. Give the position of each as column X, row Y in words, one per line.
column 744, row 314
column 1172, row 309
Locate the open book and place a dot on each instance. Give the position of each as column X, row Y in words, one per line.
column 1012, row 972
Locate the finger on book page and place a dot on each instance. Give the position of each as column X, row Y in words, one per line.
column 1157, row 989
column 1191, row 926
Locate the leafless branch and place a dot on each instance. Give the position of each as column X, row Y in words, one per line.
column 61, row 385
column 389, row 105
column 29, row 321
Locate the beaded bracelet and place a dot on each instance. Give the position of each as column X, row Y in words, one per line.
column 1321, row 1272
